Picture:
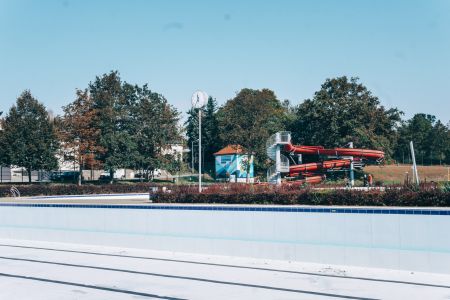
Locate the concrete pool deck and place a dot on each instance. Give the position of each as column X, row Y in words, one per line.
column 47, row 270
column 135, row 198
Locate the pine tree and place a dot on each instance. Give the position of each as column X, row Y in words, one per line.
column 210, row 134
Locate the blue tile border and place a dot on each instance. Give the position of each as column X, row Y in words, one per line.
column 305, row 209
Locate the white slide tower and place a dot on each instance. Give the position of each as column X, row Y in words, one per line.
column 273, row 147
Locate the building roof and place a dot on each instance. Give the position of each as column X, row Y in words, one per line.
column 231, row 149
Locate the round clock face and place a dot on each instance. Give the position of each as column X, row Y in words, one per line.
column 199, row 99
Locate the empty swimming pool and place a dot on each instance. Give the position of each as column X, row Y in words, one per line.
column 397, row 238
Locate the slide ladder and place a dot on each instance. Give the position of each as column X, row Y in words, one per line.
column 274, row 145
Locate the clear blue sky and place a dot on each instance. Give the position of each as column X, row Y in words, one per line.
column 399, row 49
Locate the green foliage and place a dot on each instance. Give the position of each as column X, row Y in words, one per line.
column 210, row 133
column 28, row 139
column 128, row 126
column 155, row 129
column 446, row 187
column 344, row 110
column 249, row 119
column 78, row 133
column 249, row 194
column 431, row 140
column 111, row 102
column 4, row 158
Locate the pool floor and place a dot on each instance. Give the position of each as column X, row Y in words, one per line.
column 70, row 271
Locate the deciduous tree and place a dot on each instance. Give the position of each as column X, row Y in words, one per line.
column 249, row 119
column 343, row 111
column 430, row 137
column 124, row 125
column 28, row 137
column 78, row 133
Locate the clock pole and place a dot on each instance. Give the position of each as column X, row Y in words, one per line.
column 200, row 150
column 199, row 99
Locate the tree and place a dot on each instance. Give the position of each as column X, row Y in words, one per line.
column 28, row 137
column 191, row 127
column 3, row 149
column 120, row 125
column 112, row 101
column 342, row 111
column 210, row 141
column 447, row 143
column 156, row 129
column 439, row 143
column 430, row 139
column 210, row 132
column 249, row 119
column 78, row 134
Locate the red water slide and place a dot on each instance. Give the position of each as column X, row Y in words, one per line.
column 319, row 150
column 310, row 180
column 306, row 169
column 311, row 167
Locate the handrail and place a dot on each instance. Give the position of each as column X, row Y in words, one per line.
column 14, row 192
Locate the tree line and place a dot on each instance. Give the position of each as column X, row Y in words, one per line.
column 113, row 124
column 110, row 125
column 343, row 110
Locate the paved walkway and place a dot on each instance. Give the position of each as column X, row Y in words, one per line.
column 141, row 198
column 42, row 270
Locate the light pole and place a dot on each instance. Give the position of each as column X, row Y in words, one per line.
column 199, row 99
column 192, row 157
column 77, row 140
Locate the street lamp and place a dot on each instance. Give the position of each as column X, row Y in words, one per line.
column 199, row 99
column 77, row 141
column 192, row 156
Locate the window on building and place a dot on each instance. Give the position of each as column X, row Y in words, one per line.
column 226, row 159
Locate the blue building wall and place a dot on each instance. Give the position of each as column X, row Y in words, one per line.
column 234, row 165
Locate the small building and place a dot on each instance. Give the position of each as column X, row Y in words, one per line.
column 232, row 164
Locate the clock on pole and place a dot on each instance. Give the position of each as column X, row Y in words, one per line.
column 199, row 99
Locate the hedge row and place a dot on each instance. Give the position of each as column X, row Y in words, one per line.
column 433, row 197
column 73, row 189
column 253, row 194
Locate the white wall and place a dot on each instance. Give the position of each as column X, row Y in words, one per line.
column 398, row 241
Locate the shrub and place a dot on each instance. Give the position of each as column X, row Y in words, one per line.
column 237, row 194
column 425, row 195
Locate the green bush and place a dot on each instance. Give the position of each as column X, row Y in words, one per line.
column 425, row 195
column 395, row 196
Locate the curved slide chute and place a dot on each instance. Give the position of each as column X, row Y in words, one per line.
column 313, row 172
column 319, row 150
column 317, row 166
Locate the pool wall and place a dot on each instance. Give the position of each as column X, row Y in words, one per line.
column 401, row 238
